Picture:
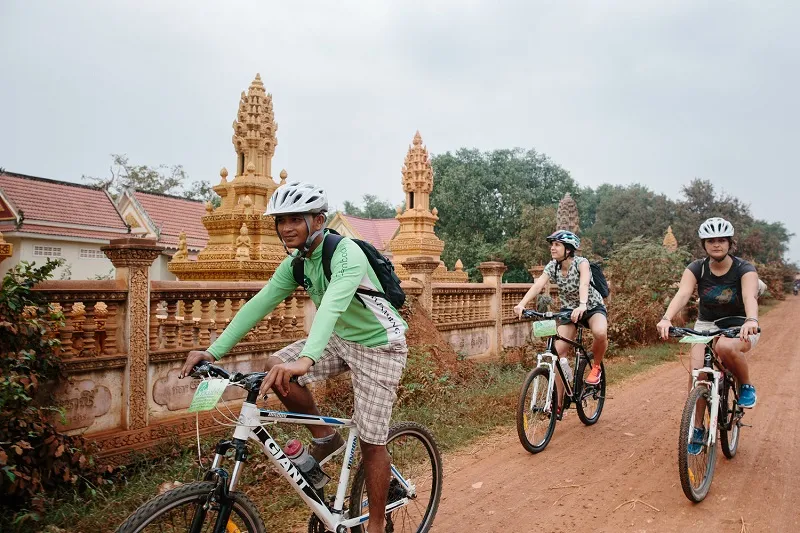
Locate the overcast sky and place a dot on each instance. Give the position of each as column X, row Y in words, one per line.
column 616, row 92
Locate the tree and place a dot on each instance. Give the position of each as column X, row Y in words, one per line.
column 481, row 197
column 162, row 179
column 373, row 208
column 624, row 213
column 530, row 247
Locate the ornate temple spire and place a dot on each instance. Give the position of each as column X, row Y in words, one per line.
column 416, row 237
column 254, row 130
column 417, row 176
column 567, row 215
column 670, row 242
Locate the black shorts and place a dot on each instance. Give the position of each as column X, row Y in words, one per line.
column 584, row 321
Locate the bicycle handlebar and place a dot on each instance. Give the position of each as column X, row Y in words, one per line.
column 249, row 381
column 731, row 333
column 530, row 313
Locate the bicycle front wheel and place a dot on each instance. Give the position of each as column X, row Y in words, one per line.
column 183, row 510
column 696, row 458
column 416, row 458
column 729, row 416
column 535, row 424
column 591, row 398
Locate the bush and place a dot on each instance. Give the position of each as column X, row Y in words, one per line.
column 644, row 276
column 34, row 456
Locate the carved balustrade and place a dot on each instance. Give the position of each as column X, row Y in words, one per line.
column 462, row 305
column 188, row 315
column 513, row 293
column 92, row 336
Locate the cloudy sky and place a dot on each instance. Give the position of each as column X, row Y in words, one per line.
column 621, row 92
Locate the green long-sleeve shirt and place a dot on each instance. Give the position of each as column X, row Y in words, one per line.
column 371, row 323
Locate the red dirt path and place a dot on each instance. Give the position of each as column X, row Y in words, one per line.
column 584, row 478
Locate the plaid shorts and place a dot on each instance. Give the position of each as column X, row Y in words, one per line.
column 376, row 374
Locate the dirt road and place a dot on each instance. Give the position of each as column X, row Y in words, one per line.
column 622, row 474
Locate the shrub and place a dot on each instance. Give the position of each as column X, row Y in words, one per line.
column 34, row 456
column 644, row 277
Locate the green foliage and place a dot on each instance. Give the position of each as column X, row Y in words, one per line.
column 643, row 277
column 481, row 197
column 162, row 179
column 373, row 208
column 34, row 456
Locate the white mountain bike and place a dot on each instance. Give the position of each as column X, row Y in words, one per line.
column 215, row 505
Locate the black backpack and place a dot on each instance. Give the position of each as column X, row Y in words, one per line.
column 599, row 279
column 383, row 268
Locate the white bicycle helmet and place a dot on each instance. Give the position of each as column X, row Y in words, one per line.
column 715, row 227
column 297, row 197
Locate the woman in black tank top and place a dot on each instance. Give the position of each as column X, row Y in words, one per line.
column 727, row 287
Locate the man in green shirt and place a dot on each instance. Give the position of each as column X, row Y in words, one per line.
column 365, row 335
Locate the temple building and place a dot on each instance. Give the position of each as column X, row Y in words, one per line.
column 243, row 243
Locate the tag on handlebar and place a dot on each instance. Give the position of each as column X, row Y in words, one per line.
column 695, row 339
column 544, row 328
column 208, row 394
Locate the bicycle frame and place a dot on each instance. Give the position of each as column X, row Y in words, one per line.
column 552, row 354
column 250, row 427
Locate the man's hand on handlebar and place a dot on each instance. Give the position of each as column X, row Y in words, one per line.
column 193, row 359
column 279, row 375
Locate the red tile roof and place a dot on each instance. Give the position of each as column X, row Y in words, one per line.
column 8, row 227
column 172, row 214
column 378, row 231
column 60, row 202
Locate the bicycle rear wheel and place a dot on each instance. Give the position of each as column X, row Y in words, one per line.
column 182, row 510
column 591, row 398
column 696, row 470
column 535, row 425
column 729, row 416
column 416, row 457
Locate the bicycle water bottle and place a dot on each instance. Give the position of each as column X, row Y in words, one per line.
column 566, row 368
column 306, row 463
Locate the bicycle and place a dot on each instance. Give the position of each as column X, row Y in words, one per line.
column 415, row 487
column 716, row 395
column 537, row 410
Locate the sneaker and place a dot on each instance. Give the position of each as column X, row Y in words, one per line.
column 747, row 396
column 594, row 376
column 697, row 442
column 326, row 450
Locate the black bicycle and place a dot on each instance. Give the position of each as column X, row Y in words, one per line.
column 537, row 410
column 713, row 404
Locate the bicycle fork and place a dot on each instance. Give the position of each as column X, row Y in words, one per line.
column 713, row 387
column 548, row 360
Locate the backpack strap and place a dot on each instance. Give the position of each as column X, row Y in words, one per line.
column 330, row 243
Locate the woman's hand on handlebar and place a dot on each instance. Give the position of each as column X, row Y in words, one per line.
column 193, row 359
column 663, row 328
column 518, row 309
column 750, row 327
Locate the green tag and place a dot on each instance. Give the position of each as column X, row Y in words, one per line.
column 208, row 394
column 544, row 328
column 696, row 339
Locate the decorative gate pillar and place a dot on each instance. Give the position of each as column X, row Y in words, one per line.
column 6, row 249
column 421, row 269
column 492, row 272
column 132, row 258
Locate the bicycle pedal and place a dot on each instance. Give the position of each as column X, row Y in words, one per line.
column 745, row 425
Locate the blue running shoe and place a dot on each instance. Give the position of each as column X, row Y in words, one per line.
column 697, row 441
column 747, row 396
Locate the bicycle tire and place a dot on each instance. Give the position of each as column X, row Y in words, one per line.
column 523, row 410
column 729, row 411
column 597, row 393
column 244, row 514
column 689, row 466
column 396, row 445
